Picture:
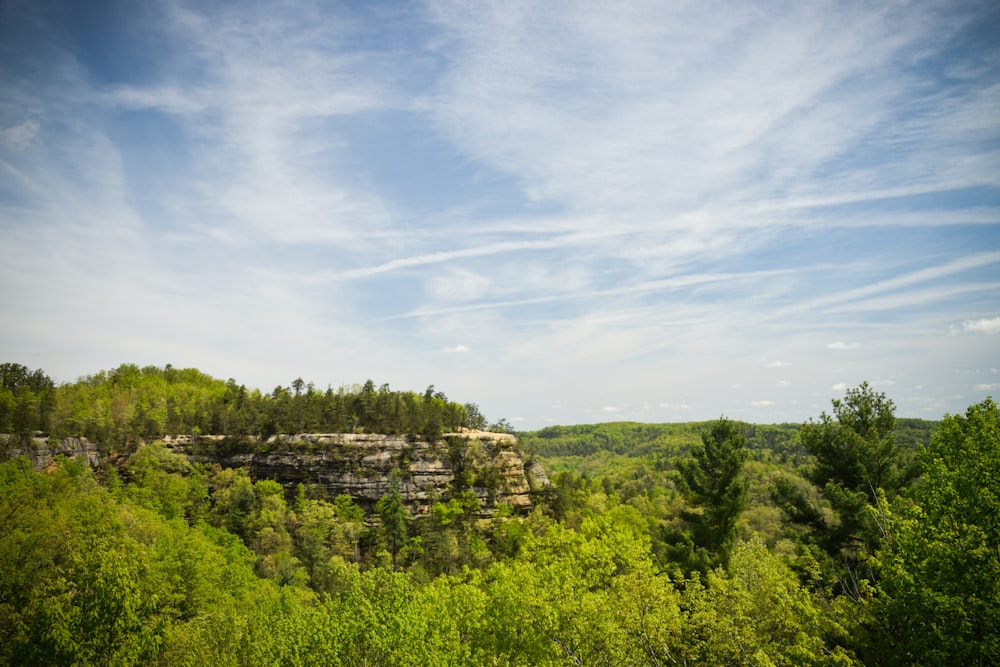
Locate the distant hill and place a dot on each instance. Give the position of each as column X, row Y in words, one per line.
column 633, row 439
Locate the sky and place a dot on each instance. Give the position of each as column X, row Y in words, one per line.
column 565, row 212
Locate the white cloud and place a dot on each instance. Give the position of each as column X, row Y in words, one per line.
column 641, row 193
column 841, row 345
column 993, row 386
column 986, row 326
column 21, row 136
column 762, row 404
column 840, row 386
column 610, row 408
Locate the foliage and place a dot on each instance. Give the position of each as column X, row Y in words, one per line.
column 159, row 561
column 713, row 482
column 123, row 583
column 626, row 438
column 394, row 517
column 26, row 400
column 120, row 407
column 939, row 593
column 856, row 458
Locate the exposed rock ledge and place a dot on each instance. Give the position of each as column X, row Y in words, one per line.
column 42, row 450
column 358, row 464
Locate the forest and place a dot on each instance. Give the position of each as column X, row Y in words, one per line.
column 117, row 408
column 855, row 538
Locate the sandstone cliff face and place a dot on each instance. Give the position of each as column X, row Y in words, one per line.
column 347, row 463
column 42, row 450
column 359, row 465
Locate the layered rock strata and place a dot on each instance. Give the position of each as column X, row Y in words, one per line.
column 355, row 464
column 358, row 465
column 42, row 450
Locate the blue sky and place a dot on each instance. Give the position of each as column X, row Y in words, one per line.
column 566, row 212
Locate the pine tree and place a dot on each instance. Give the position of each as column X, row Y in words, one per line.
column 713, row 483
column 394, row 516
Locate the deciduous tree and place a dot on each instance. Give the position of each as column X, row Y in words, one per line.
column 938, row 601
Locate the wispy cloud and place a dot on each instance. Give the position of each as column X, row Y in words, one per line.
column 655, row 195
column 653, row 286
column 638, row 89
column 460, row 254
column 20, row 136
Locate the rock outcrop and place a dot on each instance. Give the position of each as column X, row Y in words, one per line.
column 358, row 465
column 41, row 450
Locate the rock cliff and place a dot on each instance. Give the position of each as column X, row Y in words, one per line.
column 358, row 464
column 42, row 450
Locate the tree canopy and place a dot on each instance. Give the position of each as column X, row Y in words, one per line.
column 120, row 407
column 939, row 590
column 153, row 559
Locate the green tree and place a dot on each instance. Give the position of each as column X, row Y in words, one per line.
column 713, row 483
column 394, row 516
column 27, row 400
column 856, row 455
column 938, row 599
column 474, row 418
column 168, row 482
column 755, row 612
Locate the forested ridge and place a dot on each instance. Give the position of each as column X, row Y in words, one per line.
column 117, row 408
column 856, row 538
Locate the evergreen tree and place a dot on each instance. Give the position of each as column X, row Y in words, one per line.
column 856, row 457
column 393, row 514
column 713, row 483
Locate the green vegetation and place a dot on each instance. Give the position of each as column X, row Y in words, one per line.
column 119, row 408
column 713, row 482
column 939, row 559
column 856, row 459
column 855, row 539
column 27, row 399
